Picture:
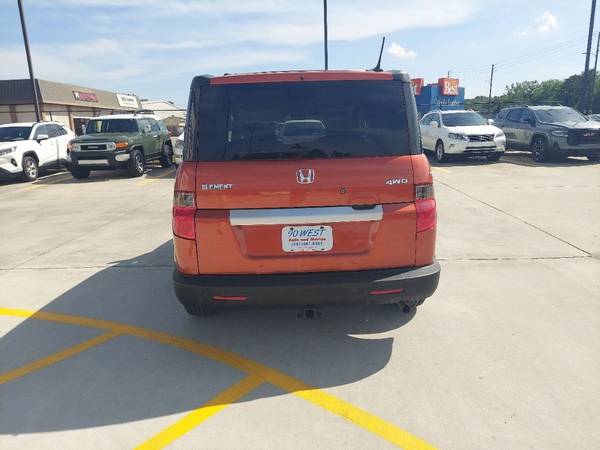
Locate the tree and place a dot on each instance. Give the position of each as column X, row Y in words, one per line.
column 571, row 92
column 521, row 92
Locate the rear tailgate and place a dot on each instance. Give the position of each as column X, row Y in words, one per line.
column 250, row 214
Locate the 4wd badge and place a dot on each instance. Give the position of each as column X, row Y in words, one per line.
column 394, row 181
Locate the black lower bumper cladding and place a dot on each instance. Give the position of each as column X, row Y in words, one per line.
column 302, row 289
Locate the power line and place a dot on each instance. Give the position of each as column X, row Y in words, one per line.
column 569, row 43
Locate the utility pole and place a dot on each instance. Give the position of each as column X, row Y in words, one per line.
column 593, row 84
column 448, row 74
column 36, row 101
column 491, row 85
column 586, row 75
column 325, row 32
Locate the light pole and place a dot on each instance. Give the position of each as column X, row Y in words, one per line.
column 36, row 100
column 586, row 76
column 325, row 34
column 593, row 84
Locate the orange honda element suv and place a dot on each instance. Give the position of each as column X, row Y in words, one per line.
column 303, row 188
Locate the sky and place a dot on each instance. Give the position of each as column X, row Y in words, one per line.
column 153, row 48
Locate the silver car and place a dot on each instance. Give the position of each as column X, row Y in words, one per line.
column 550, row 132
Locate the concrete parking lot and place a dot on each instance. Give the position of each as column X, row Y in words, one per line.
column 95, row 351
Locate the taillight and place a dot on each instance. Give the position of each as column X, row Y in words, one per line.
column 184, row 210
column 425, row 205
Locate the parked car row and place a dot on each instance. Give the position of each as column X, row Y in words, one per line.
column 110, row 142
column 548, row 132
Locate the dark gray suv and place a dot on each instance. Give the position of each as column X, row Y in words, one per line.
column 550, row 132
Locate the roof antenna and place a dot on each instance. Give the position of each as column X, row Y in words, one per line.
column 378, row 68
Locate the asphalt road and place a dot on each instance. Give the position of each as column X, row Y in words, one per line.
column 505, row 355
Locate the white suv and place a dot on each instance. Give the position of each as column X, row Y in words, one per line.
column 463, row 133
column 27, row 147
column 178, row 150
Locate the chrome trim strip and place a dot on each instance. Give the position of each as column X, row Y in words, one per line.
column 92, row 162
column 298, row 216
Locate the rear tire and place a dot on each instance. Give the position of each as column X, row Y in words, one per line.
column 31, row 169
column 198, row 310
column 495, row 157
column 167, row 156
column 136, row 165
column 440, row 152
column 539, row 149
column 80, row 172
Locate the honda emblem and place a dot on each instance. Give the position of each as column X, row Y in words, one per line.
column 305, row 176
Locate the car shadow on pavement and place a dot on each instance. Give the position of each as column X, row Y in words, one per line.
column 129, row 379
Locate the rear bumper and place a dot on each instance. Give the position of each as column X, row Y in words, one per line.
column 302, row 289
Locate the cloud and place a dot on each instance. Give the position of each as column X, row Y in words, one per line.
column 400, row 52
column 115, row 62
column 287, row 22
column 546, row 22
column 107, row 43
column 543, row 24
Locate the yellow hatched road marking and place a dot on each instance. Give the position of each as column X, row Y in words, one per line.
column 147, row 180
column 287, row 383
column 190, row 421
column 56, row 357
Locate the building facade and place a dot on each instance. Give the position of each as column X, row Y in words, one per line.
column 445, row 94
column 172, row 115
column 67, row 103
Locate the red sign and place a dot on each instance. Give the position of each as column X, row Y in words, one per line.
column 448, row 86
column 417, row 84
column 85, row 96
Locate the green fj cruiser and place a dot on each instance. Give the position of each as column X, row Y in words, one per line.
column 126, row 141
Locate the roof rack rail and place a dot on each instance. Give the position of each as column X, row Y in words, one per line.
column 143, row 111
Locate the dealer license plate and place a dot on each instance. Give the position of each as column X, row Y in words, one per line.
column 317, row 238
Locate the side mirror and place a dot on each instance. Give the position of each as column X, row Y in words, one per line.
column 490, row 121
column 434, row 124
column 42, row 137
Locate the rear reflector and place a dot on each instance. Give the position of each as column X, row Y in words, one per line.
column 426, row 207
column 224, row 298
column 184, row 211
column 391, row 291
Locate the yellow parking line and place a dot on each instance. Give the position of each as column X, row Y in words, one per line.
column 441, row 169
column 287, row 383
column 196, row 417
column 56, row 357
column 38, row 184
column 147, row 180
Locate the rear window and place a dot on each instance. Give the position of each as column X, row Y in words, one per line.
column 298, row 120
column 111, row 126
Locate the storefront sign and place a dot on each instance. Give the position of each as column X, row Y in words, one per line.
column 127, row 101
column 85, row 96
column 448, row 102
column 448, row 86
column 417, row 84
